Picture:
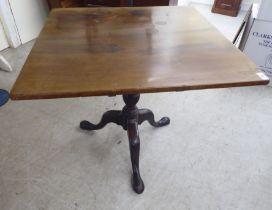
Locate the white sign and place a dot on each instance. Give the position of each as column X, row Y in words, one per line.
column 259, row 45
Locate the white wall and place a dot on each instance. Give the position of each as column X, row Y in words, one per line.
column 211, row 1
column 265, row 10
column 30, row 16
column 251, row 1
column 203, row 1
column 3, row 40
column 245, row 3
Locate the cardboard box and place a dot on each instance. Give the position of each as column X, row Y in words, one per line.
column 258, row 46
column 256, row 41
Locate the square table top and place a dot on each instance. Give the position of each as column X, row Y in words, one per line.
column 110, row 51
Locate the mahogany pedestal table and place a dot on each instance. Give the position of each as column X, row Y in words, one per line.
column 129, row 51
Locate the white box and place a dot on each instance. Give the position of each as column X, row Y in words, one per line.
column 265, row 10
column 258, row 46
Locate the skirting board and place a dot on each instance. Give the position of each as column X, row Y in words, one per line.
column 9, row 24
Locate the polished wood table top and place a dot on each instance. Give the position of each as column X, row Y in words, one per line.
column 110, row 51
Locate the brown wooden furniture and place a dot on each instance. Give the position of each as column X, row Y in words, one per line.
column 111, row 3
column 227, row 7
column 128, row 51
column 64, row 3
column 108, row 3
column 155, row 2
column 118, row 3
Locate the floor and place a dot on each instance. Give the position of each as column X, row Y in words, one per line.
column 215, row 154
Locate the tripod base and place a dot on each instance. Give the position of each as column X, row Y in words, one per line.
column 129, row 118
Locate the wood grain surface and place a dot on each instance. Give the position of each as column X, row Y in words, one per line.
column 110, row 51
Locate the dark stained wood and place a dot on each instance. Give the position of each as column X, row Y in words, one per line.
column 109, row 3
column 54, row 4
column 227, row 7
column 129, row 118
column 130, row 112
column 109, row 51
column 71, row 3
column 151, row 2
column 64, row 3
column 119, row 118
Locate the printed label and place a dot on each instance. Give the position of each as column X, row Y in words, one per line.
column 262, row 76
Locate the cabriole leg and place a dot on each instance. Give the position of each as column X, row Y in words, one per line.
column 147, row 115
column 130, row 113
